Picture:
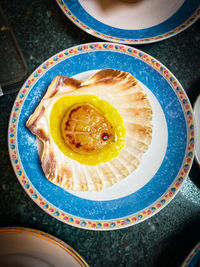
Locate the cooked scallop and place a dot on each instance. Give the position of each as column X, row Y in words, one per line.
column 94, row 131
column 86, row 130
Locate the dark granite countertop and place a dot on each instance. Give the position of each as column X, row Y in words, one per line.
column 164, row 239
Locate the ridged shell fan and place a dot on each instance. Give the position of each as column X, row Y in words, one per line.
column 122, row 96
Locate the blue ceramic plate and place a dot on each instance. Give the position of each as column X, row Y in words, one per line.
column 131, row 23
column 193, row 259
column 196, row 110
column 163, row 169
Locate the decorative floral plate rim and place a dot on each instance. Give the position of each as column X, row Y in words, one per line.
column 47, row 237
column 91, row 29
column 102, row 224
column 195, row 252
column 196, row 108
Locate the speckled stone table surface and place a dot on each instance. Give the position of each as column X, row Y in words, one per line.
column 163, row 240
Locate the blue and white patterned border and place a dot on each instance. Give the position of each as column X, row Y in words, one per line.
column 47, row 206
column 181, row 20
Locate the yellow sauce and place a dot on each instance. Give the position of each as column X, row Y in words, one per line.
column 58, row 112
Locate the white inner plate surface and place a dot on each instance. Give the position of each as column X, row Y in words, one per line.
column 131, row 16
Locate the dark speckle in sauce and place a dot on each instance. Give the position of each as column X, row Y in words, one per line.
column 78, row 145
column 105, row 136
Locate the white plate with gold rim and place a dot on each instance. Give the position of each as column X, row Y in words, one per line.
column 26, row 247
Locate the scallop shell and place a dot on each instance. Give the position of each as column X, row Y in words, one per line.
column 120, row 89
